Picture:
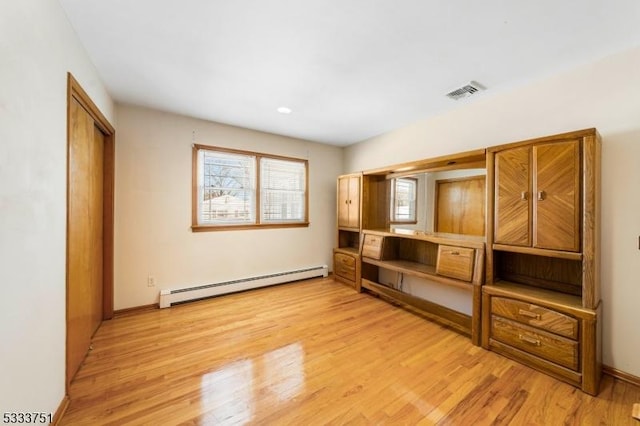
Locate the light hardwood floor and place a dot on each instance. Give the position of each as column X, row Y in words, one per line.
column 315, row 352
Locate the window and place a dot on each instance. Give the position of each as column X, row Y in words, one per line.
column 403, row 200
column 239, row 189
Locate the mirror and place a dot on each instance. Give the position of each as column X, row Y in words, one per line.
column 451, row 201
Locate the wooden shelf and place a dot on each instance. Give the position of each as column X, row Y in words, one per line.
column 417, row 270
column 539, row 252
column 348, row 250
column 540, row 296
column 469, row 241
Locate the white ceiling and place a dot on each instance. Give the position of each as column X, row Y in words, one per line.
column 349, row 69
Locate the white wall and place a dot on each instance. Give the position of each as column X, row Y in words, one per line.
column 605, row 95
column 37, row 48
column 153, row 208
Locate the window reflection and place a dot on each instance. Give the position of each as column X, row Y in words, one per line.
column 284, row 371
column 232, row 394
column 227, row 394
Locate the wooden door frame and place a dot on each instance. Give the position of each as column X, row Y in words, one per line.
column 75, row 91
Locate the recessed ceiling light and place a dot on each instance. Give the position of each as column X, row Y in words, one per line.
column 284, row 110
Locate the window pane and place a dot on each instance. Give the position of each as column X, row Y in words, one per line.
column 226, row 188
column 282, row 192
column 404, row 200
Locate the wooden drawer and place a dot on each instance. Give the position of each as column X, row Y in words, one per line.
column 553, row 348
column 534, row 315
column 372, row 246
column 344, row 266
column 455, row 262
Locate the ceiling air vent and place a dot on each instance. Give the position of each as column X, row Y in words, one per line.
column 466, row 90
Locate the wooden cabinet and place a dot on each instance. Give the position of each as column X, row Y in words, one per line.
column 537, row 196
column 541, row 300
column 346, row 256
column 349, row 201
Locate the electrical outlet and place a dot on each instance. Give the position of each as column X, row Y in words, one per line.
column 151, row 281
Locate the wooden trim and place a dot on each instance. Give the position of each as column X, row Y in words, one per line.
column 194, row 186
column 62, row 408
column 75, row 91
column 489, row 220
column 469, row 241
column 621, row 375
column 445, row 162
column 135, row 310
column 591, row 221
column 554, row 138
column 195, row 227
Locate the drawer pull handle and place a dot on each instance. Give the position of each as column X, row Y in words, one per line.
column 529, row 314
column 541, row 195
column 529, row 340
column 524, row 195
column 454, row 253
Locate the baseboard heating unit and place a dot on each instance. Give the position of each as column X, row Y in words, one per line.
column 170, row 297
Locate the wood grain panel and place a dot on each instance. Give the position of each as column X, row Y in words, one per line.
column 513, row 197
column 536, row 316
column 455, row 262
column 556, row 206
column 546, row 345
column 460, row 205
column 375, row 202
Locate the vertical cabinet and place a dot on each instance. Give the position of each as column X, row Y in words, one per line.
column 537, row 194
column 541, row 298
column 346, row 257
column 349, row 201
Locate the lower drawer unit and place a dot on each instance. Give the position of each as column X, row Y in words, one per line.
column 535, row 316
column 551, row 347
column 345, row 266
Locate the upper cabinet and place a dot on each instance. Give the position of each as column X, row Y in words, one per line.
column 537, row 196
column 349, row 201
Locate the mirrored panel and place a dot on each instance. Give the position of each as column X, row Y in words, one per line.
column 451, row 201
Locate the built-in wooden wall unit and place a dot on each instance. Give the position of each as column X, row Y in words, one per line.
column 541, row 299
column 538, row 299
column 438, row 275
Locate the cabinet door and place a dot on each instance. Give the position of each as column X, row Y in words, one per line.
column 513, row 200
column 343, row 201
column 556, row 219
column 354, row 202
